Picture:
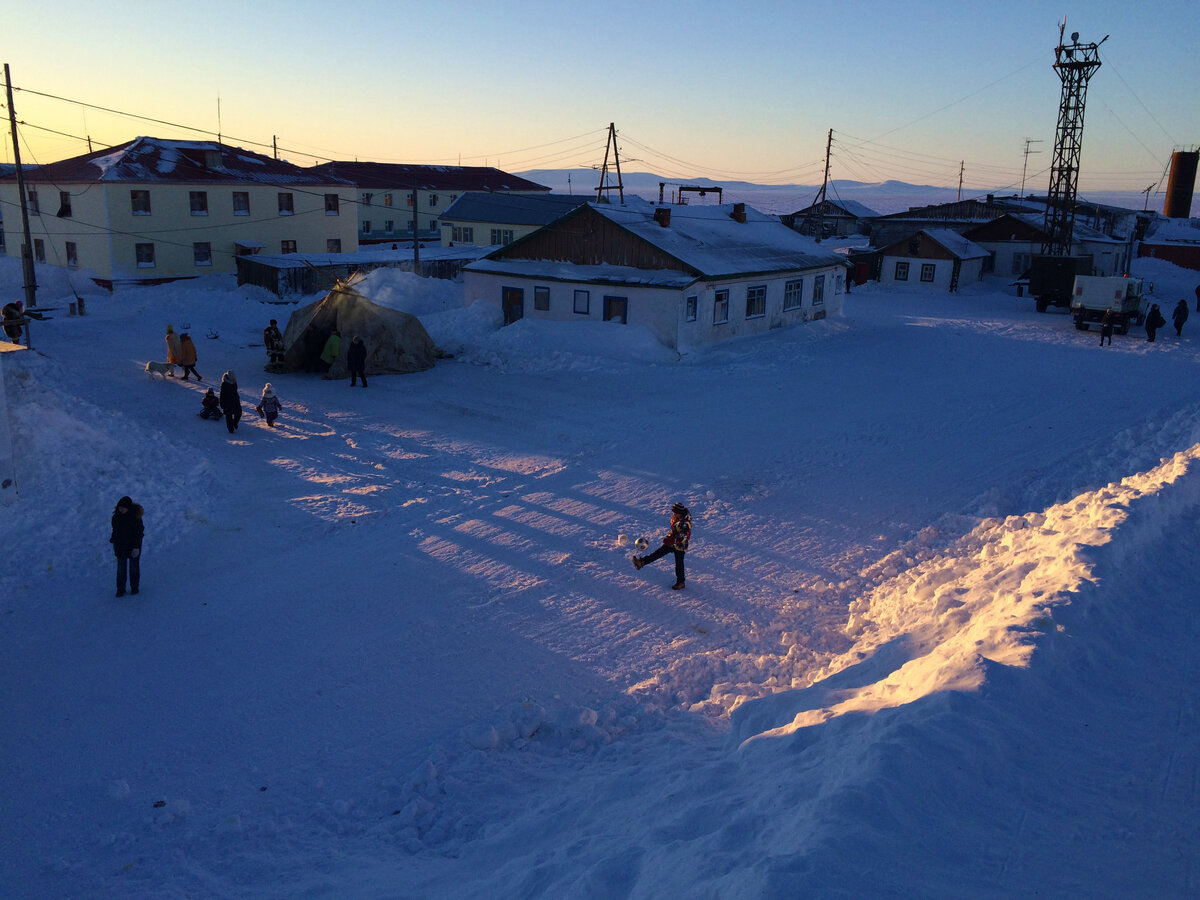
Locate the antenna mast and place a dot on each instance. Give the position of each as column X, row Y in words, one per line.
column 1075, row 64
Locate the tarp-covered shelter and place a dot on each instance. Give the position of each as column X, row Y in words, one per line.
column 397, row 342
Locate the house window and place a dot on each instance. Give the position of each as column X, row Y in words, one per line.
column 366, row 199
column 462, row 234
column 411, row 225
column 721, row 308
column 927, row 270
column 32, row 206
column 1021, row 263
column 241, row 203
column 64, row 204
column 432, row 200
column 202, row 253
column 72, row 254
column 287, row 246
column 39, row 250
column 793, row 294
column 582, row 302
column 286, row 208
column 145, row 255
column 139, row 203
column 411, row 198
column 756, row 301
column 198, row 202
column 331, row 204
column 902, row 271
column 541, row 298
column 388, row 226
column 366, row 226
column 616, row 309
column 690, row 308
column 502, row 236
column 333, row 245
column 387, row 199
column 819, row 291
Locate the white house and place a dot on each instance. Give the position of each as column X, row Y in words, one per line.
column 153, row 210
column 690, row 274
column 933, row 257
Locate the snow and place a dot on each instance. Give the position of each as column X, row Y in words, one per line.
column 937, row 638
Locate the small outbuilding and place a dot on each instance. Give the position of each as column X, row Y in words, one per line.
column 933, row 257
column 397, row 342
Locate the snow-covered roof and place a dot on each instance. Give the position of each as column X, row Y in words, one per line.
column 1182, row 231
column 955, row 243
column 511, row 209
column 552, row 270
column 147, row 159
column 402, row 176
column 849, row 207
column 710, row 241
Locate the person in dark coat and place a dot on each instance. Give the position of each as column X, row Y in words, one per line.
column 356, row 361
column 273, row 341
column 1179, row 317
column 230, row 402
column 210, row 406
column 12, row 318
column 1198, row 298
column 1106, row 327
column 674, row 541
column 127, row 530
column 1154, row 321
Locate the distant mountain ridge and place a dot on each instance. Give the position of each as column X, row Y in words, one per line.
column 883, row 197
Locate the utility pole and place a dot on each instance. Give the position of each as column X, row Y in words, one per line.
column 27, row 247
column 1025, row 164
column 416, row 243
column 814, row 222
column 961, row 165
column 604, row 186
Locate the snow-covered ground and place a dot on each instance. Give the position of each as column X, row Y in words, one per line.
column 938, row 636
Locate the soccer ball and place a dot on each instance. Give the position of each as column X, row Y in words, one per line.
column 642, row 544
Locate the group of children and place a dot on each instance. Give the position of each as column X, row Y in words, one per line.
column 229, row 403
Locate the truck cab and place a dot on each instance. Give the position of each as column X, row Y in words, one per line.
column 1119, row 295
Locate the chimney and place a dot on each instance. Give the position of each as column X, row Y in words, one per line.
column 739, row 213
column 662, row 215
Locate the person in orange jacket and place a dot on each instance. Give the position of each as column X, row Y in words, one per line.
column 174, row 352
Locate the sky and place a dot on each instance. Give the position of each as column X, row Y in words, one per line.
column 937, row 637
column 917, row 92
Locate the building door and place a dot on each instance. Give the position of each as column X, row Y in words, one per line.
column 513, row 302
column 616, row 309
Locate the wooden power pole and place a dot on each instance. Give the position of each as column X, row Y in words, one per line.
column 27, row 247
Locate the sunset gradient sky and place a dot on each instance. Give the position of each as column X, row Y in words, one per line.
column 728, row 91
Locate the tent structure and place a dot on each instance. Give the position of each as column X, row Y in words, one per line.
column 396, row 341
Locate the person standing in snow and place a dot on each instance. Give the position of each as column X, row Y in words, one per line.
column 127, row 531
column 174, row 351
column 333, row 346
column 187, row 356
column 1198, row 298
column 273, row 341
column 356, row 361
column 231, row 403
column 12, row 321
column 1179, row 317
column 674, row 541
column 1106, row 327
column 1154, row 321
column 269, row 406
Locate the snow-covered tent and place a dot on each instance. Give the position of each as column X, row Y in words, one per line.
column 396, row 341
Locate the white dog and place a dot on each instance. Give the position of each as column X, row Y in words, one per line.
column 161, row 369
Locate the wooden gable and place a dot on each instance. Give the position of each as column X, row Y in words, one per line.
column 586, row 238
column 1006, row 228
column 919, row 246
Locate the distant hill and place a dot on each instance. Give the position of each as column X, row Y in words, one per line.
column 884, row 197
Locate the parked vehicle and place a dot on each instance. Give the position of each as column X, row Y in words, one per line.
column 1051, row 278
column 1120, row 295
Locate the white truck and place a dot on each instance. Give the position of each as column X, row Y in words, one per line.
column 1119, row 295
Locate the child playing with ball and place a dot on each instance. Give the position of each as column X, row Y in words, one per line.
column 675, row 541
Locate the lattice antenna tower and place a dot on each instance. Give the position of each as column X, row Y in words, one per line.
column 1075, row 64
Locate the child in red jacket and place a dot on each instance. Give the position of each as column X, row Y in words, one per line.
column 674, row 541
